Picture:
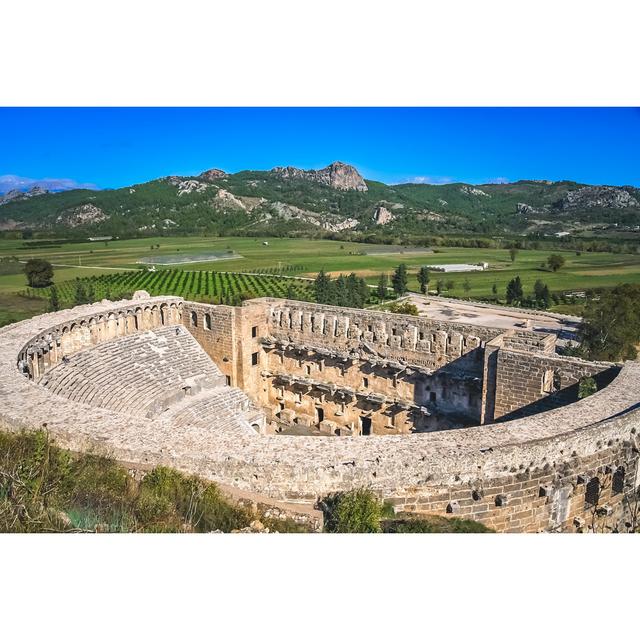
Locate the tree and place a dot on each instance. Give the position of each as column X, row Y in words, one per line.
column 423, row 279
column 542, row 294
column 555, row 261
column 440, row 286
column 466, row 285
column 514, row 291
column 513, row 254
column 383, row 283
column 80, row 293
column 39, row 273
column 611, row 324
column 322, row 288
column 450, row 284
column 399, row 280
column 494, row 289
column 54, row 301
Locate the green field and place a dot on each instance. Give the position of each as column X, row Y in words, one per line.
column 299, row 257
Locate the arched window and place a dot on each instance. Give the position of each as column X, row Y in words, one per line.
column 194, row 319
column 207, row 321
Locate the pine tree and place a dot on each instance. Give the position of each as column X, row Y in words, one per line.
column 383, row 283
column 423, row 279
column 514, row 291
column 80, row 293
column 399, row 280
column 340, row 292
column 322, row 288
column 54, row 301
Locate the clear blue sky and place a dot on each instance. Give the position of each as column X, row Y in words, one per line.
column 113, row 147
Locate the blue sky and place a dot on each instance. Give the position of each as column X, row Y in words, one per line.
column 113, row 147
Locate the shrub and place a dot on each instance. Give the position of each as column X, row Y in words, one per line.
column 586, row 387
column 357, row 511
column 39, row 273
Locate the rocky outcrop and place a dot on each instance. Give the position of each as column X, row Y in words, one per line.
column 84, row 214
column 228, row 198
column 186, row 187
column 16, row 194
column 524, row 209
column 382, row 215
column 212, row 174
column 605, row 197
column 325, row 221
column 337, row 176
column 473, row 191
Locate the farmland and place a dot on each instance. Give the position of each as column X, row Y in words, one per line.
column 113, row 267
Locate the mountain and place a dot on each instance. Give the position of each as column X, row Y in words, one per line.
column 336, row 200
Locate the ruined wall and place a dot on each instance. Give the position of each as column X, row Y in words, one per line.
column 572, row 468
column 535, row 382
column 420, row 341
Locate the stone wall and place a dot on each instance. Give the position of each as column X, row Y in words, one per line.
column 572, row 468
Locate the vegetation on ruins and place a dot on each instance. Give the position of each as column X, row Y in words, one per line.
column 432, row 524
column 46, row 489
column 586, row 387
column 344, row 291
column 611, row 325
column 361, row 511
column 357, row 511
column 39, row 272
column 407, row 308
column 399, row 279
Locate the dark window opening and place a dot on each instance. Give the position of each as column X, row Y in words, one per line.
column 592, row 492
column 421, row 336
column 194, row 319
column 319, row 414
column 207, row 322
column 617, row 483
column 228, row 379
column 254, row 358
column 254, row 332
column 308, row 369
column 432, row 396
column 365, row 382
column 366, row 426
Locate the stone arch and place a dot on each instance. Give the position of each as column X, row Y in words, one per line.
column 165, row 314
column 194, row 319
column 207, row 321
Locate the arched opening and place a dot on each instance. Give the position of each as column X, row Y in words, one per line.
column 194, row 319
column 592, row 493
column 207, row 321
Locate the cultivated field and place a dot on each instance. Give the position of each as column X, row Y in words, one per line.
column 300, row 257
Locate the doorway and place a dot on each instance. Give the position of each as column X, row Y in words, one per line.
column 365, row 423
column 319, row 415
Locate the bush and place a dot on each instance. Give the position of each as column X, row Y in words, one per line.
column 433, row 524
column 357, row 511
column 406, row 308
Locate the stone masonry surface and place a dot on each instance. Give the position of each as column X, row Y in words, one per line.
column 570, row 468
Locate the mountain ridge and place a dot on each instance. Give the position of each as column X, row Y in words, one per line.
column 334, row 199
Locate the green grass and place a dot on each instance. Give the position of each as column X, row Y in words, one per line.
column 307, row 257
column 46, row 489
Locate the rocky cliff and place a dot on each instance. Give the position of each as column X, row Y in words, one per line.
column 337, row 175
